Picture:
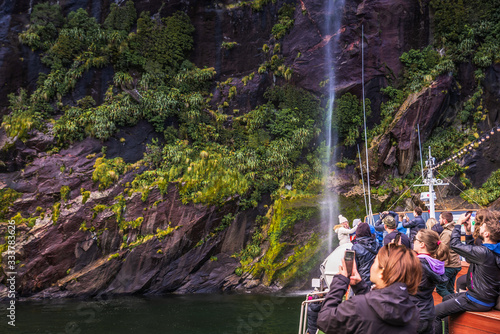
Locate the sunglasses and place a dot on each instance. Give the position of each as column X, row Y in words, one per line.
column 415, row 239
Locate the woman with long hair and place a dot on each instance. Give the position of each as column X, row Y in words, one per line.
column 432, row 253
column 433, row 224
column 387, row 308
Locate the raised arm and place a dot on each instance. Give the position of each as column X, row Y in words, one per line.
column 473, row 254
column 379, row 227
column 343, row 230
column 410, row 224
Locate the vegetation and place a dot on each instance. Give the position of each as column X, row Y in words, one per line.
column 349, row 117
column 285, row 21
column 488, row 193
column 107, row 171
column 214, row 154
column 7, row 198
column 468, row 30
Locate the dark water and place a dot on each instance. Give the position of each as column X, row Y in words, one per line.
column 193, row 314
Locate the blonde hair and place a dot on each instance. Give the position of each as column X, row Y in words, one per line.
column 430, row 223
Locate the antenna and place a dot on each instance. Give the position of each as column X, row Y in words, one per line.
column 420, row 148
column 362, row 180
column 370, row 213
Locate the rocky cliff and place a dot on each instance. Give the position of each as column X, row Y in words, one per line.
column 75, row 238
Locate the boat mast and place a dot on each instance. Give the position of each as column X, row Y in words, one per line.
column 362, row 180
column 370, row 213
column 430, row 182
column 420, row 149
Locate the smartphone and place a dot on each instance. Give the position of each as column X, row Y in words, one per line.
column 349, row 261
column 468, row 213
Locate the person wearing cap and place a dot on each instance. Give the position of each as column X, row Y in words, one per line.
column 379, row 225
column 390, row 226
column 343, row 230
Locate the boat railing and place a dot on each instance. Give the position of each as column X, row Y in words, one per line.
column 303, row 309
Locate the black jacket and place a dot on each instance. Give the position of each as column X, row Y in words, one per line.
column 437, row 228
column 366, row 249
column 415, row 225
column 388, row 310
column 312, row 316
column 423, row 299
column 483, row 277
column 404, row 239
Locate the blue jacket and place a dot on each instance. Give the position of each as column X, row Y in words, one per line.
column 415, row 225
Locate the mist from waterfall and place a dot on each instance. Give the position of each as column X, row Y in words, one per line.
column 329, row 206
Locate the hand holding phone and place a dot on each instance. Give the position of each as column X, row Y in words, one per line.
column 349, row 261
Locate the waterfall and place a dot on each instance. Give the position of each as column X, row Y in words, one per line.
column 329, row 206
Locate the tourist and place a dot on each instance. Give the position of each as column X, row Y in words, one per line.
column 395, row 273
column 366, row 249
column 432, row 224
column 471, row 239
column 312, row 313
column 453, row 263
column 483, row 283
column 431, row 253
column 355, row 223
column 343, row 230
column 392, row 233
column 379, row 226
column 416, row 224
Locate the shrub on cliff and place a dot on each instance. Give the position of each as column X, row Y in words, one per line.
column 488, row 193
column 348, row 117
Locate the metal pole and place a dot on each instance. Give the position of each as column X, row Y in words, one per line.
column 363, row 181
column 301, row 318
column 431, row 187
column 420, row 148
column 370, row 213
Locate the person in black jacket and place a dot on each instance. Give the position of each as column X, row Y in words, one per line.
column 312, row 314
column 390, row 226
column 432, row 253
column 416, row 224
column 433, row 224
column 366, row 249
column 483, row 283
column 395, row 273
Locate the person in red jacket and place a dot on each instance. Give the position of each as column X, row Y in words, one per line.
column 396, row 274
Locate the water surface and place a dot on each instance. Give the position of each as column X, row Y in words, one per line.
column 193, row 314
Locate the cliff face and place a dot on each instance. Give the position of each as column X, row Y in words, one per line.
column 174, row 250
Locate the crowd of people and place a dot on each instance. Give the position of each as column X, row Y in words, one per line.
column 398, row 265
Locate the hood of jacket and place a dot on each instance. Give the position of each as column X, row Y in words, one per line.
column 435, row 265
column 495, row 248
column 392, row 304
column 434, row 269
column 368, row 243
